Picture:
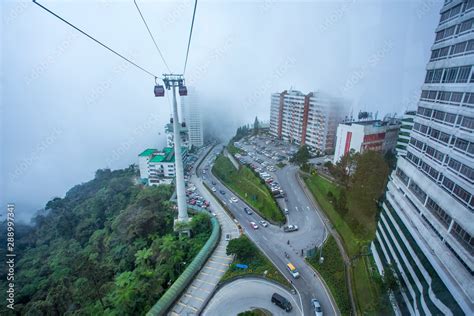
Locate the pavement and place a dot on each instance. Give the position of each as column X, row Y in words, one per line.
column 274, row 242
column 231, row 299
column 195, row 297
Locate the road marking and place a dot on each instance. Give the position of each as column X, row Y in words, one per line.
column 195, row 297
column 220, row 263
column 199, row 288
column 197, row 279
column 296, row 207
column 212, row 268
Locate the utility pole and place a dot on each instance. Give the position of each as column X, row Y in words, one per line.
column 173, row 81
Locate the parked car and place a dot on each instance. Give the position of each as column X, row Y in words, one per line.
column 222, row 192
column 290, row 228
column 281, row 302
column 253, row 225
column 213, row 189
column 318, row 311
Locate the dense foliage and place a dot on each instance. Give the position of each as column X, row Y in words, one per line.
column 250, row 187
column 302, row 156
column 362, row 179
column 106, row 248
column 332, row 270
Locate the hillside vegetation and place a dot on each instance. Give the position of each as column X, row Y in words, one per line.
column 106, row 248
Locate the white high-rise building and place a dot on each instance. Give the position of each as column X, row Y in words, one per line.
column 192, row 117
column 427, row 223
column 306, row 119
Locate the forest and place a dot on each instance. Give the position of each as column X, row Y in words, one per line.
column 106, row 248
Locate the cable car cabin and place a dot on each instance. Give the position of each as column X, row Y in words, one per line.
column 183, row 124
column 183, row 91
column 159, row 91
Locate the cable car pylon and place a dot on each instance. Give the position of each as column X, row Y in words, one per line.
column 171, row 82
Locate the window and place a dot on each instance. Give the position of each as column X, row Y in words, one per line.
column 469, row 98
column 450, row 118
column 467, row 122
column 463, row 27
column 417, row 191
column 438, row 212
column 467, row 172
column 402, row 176
column 454, row 164
column 469, row 5
column 463, row 237
column 450, row 75
column 461, row 193
column 461, row 144
column 464, row 73
column 448, row 184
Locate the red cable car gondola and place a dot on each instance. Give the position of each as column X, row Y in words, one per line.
column 183, row 91
column 159, row 89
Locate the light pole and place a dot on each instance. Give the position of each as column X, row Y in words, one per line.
column 173, row 81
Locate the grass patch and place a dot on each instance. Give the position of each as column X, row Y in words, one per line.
column 281, row 165
column 332, row 271
column 249, row 187
column 256, row 261
column 232, row 149
column 367, row 290
column 320, row 187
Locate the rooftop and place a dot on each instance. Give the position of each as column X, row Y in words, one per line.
column 166, row 155
column 148, row 152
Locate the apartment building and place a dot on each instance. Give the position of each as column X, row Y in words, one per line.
column 158, row 167
column 306, row 119
column 427, row 223
column 404, row 134
column 376, row 135
column 192, row 117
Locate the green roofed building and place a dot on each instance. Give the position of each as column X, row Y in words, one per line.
column 157, row 167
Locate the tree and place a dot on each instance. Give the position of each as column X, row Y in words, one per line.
column 241, row 247
column 302, row 156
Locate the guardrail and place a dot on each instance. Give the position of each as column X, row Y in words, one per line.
column 183, row 281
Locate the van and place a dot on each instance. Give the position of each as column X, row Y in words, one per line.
column 281, row 302
column 291, row 268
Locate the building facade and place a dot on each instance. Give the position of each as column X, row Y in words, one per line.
column 404, row 134
column 158, row 167
column 192, row 117
column 361, row 136
column 427, row 223
column 183, row 133
column 306, row 119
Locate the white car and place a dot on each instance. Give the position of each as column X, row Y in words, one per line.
column 254, row 225
column 264, row 223
column 213, row 189
column 318, row 311
column 234, row 199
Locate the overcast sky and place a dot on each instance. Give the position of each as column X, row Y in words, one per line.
column 70, row 107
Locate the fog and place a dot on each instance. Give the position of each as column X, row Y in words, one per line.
column 70, row 107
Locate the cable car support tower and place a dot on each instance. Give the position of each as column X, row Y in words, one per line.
column 173, row 81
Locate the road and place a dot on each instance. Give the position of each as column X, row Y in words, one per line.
column 274, row 242
column 231, row 300
column 193, row 300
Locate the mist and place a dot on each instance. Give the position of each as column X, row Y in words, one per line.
column 70, row 107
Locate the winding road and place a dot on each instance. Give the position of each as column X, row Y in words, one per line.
column 274, row 242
